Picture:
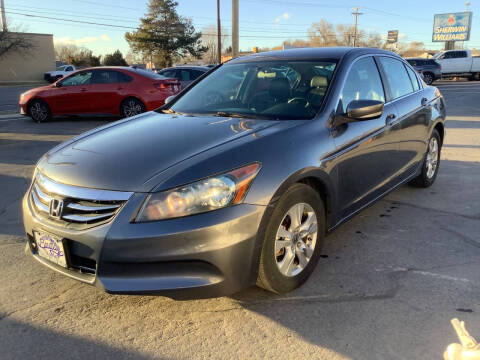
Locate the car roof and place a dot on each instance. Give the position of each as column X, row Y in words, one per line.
column 193, row 67
column 310, row 53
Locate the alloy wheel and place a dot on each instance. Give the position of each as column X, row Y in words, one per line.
column 39, row 112
column 432, row 157
column 132, row 107
column 296, row 239
column 428, row 78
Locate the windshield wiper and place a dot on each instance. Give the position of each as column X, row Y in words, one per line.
column 170, row 111
column 234, row 115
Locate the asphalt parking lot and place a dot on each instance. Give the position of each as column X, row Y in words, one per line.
column 387, row 285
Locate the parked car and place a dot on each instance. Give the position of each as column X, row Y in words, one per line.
column 458, row 63
column 58, row 73
column 120, row 91
column 429, row 68
column 184, row 74
column 211, row 194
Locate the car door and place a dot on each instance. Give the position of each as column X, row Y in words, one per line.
column 410, row 127
column 367, row 160
column 454, row 62
column 108, row 90
column 71, row 96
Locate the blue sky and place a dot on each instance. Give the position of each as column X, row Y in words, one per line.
column 263, row 23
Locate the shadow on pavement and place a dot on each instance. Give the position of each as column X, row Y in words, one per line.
column 22, row 341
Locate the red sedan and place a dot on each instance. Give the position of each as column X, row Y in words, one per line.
column 120, row 91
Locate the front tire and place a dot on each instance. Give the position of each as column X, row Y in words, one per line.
column 39, row 111
column 293, row 240
column 131, row 107
column 430, row 164
column 428, row 78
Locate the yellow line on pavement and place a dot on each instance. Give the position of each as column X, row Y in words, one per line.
column 33, row 137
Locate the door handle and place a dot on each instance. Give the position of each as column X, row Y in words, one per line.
column 83, row 90
column 424, row 101
column 389, row 119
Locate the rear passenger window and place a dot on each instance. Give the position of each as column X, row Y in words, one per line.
column 195, row 74
column 184, row 75
column 397, row 77
column 168, row 73
column 363, row 83
column 413, row 79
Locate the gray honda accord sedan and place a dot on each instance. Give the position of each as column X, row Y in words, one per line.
column 239, row 178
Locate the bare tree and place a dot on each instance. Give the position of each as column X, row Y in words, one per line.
column 11, row 42
column 321, row 34
column 75, row 55
column 209, row 39
column 415, row 48
column 66, row 52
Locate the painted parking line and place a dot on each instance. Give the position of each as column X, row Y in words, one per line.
column 10, row 117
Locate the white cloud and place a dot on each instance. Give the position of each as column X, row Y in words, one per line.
column 284, row 16
column 81, row 41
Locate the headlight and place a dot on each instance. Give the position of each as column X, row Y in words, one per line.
column 22, row 95
column 205, row 195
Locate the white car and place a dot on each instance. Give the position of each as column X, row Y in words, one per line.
column 458, row 63
column 58, row 73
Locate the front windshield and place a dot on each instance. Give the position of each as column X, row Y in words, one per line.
column 61, row 68
column 264, row 89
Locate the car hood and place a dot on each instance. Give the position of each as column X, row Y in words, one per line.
column 38, row 89
column 126, row 154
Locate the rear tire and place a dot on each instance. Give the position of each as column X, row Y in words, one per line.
column 293, row 240
column 431, row 163
column 39, row 111
column 131, row 107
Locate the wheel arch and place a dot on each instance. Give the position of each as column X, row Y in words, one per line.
column 314, row 177
column 130, row 96
column 37, row 99
column 440, row 127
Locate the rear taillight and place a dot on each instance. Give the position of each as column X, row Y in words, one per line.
column 160, row 86
column 171, row 85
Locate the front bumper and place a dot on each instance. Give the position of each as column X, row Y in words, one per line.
column 204, row 255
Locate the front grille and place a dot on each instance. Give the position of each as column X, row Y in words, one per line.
column 74, row 206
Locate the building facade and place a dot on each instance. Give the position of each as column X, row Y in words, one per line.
column 29, row 66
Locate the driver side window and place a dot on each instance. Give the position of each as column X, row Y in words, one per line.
column 363, row 83
column 82, row 78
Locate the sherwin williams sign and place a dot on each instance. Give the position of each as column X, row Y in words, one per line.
column 452, row 27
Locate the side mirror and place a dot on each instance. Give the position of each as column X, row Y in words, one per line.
column 170, row 98
column 364, row 109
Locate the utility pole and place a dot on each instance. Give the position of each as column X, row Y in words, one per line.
column 219, row 35
column 234, row 28
column 4, row 18
column 356, row 13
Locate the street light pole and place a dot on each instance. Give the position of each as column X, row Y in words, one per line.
column 219, row 35
column 356, row 13
column 234, row 28
column 4, row 18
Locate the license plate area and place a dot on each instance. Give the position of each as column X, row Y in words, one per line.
column 51, row 248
